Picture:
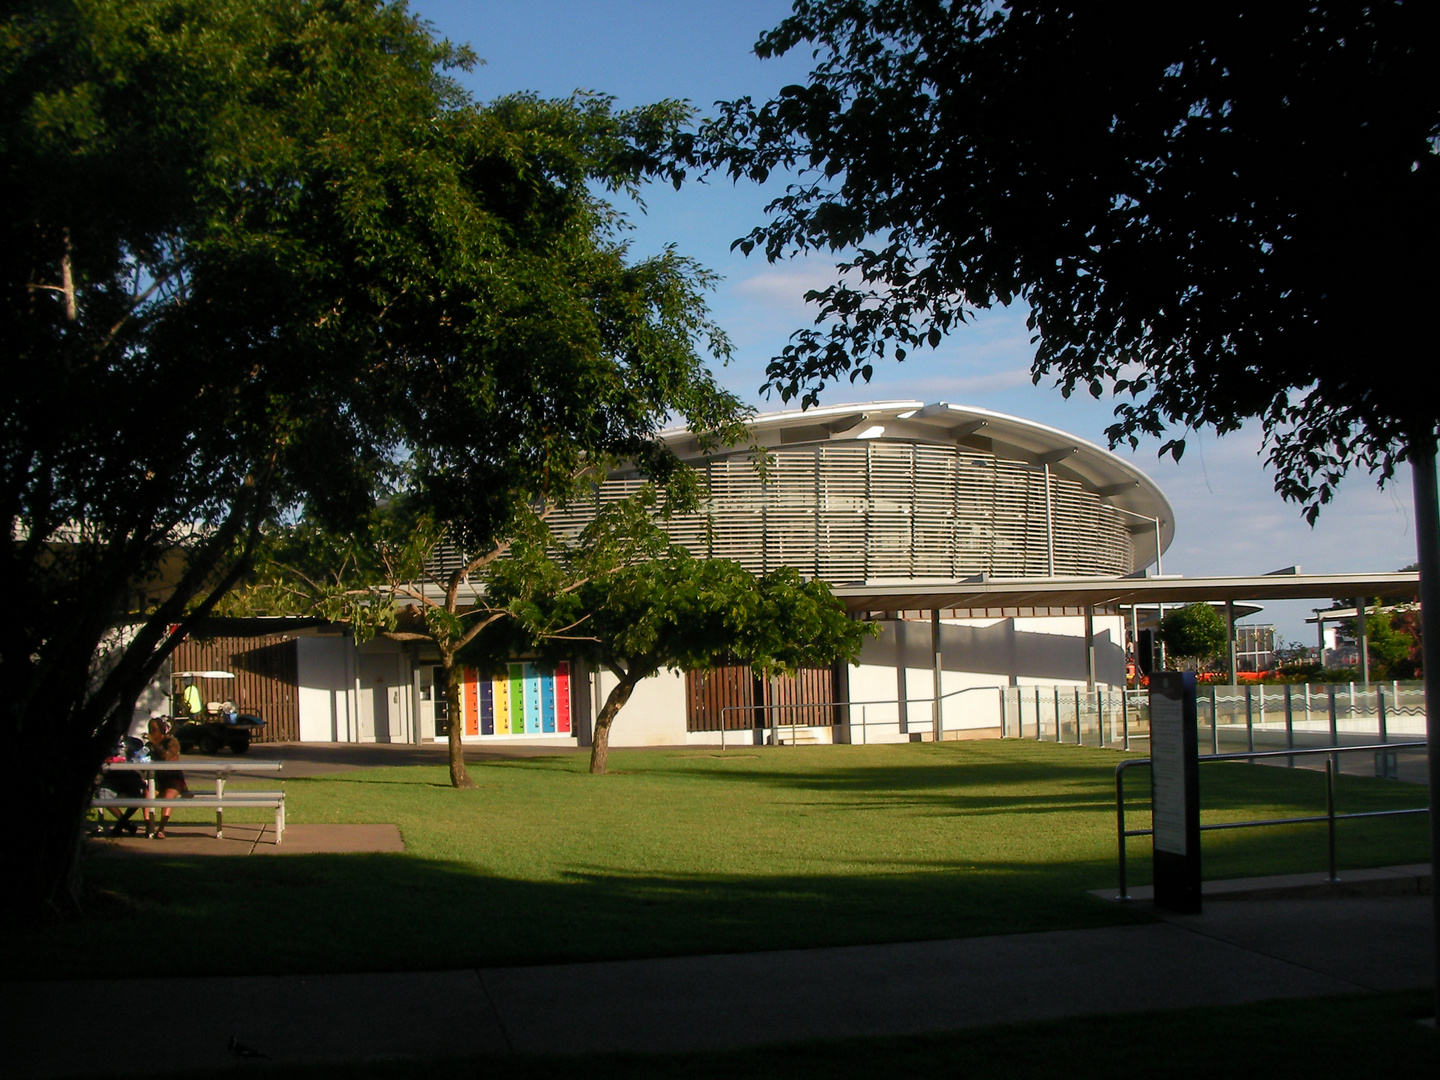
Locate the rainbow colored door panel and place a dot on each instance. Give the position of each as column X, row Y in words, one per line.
column 487, row 707
column 547, row 703
column 517, row 699
column 562, row 697
column 525, row 700
column 500, row 688
column 472, row 712
column 532, row 699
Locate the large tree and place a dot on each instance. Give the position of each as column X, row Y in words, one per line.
column 630, row 602
column 1194, row 632
column 1220, row 212
column 1204, row 208
column 258, row 256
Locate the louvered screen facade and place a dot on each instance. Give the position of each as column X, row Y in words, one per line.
column 870, row 510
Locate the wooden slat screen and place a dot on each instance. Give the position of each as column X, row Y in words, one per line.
column 812, row 689
column 265, row 683
column 709, row 693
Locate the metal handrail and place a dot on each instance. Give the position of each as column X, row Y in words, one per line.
column 1330, row 817
column 775, row 728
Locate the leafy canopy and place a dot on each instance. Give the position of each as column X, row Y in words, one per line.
column 1216, row 216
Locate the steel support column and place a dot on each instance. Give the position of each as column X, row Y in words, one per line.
column 1090, row 647
column 1362, row 638
column 1230, row 634
column 938, row 669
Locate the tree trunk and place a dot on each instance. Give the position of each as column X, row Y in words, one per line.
column 1427, row 542
column 600, row 746
column 44, row 852
column 454, row 707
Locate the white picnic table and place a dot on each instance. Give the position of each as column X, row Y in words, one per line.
column 274, row 800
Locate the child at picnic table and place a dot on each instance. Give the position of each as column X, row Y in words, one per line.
column 168, row 784
column 124, row 784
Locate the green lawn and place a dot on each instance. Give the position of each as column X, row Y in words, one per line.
column 688, row 851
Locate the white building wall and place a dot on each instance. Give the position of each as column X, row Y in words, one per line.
column 655, row 713
column 980, row 656
column 325, row 667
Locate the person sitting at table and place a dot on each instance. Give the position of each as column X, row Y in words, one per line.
column 123, row 784
column 168, row 785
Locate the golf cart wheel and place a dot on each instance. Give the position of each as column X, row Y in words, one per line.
column 240, row 743
column 208, row 743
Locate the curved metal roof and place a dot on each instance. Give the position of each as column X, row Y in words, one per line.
column 1011, row 438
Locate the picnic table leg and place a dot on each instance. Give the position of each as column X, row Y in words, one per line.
column 149, row 794
column 279, row 821
column 219, row 810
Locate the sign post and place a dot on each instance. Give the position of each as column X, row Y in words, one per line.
column 1175, row 791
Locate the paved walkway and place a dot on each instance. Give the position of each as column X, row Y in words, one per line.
column 1359, row 938
column 195, row 838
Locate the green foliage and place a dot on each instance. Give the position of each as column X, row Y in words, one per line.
column 1195, row 209
column 657, row 606
column 1193, row 632
column 1392, row 640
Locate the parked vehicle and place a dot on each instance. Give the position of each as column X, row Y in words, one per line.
column 211, row 725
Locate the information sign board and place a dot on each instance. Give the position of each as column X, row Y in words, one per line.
column 1175, row 790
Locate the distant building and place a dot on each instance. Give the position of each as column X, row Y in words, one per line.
column 1254, row 647
column 881, row 497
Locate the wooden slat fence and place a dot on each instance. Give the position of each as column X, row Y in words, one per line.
column 709, row 693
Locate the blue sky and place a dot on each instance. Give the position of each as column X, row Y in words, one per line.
column 1228, row 518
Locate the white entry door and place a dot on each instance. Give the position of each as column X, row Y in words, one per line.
column 379, row 697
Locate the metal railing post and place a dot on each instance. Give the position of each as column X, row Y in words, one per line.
column 1330, row 812
column 1380, row 711
column 1249, row 720
column 1039, row 725
column 1289, row 724
column 1125, row 717
column 1214, row 722
column 1120, row 825
column 1077, row 717
column 1334, row 728
column 1331, row 817
column 1058, row 735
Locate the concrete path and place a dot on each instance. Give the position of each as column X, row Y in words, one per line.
column 194, row 838
column 1237, row 951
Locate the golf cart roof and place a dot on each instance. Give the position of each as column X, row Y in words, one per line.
column 202, row 675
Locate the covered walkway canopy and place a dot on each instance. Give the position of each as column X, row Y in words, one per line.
column 981, row 592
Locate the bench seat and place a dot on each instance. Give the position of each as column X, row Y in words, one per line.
column 249, row 800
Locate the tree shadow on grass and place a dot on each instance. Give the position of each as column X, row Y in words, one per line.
column 330, row 913
column 312, row 913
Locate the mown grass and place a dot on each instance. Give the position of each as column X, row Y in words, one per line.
column 1281, row 1040
column 688, row 851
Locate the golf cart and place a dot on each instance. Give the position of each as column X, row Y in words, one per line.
column 209, row 726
